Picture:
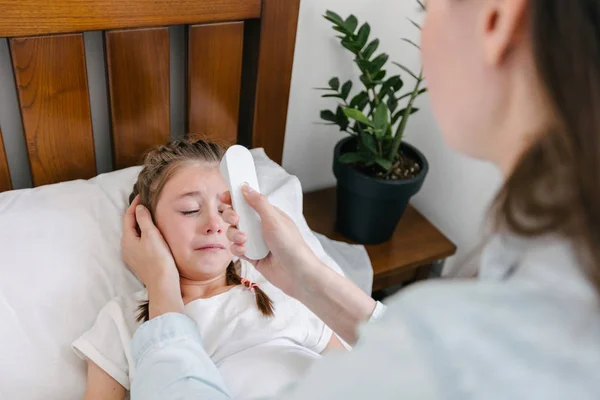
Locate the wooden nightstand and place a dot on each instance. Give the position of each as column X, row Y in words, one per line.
column 407, row 257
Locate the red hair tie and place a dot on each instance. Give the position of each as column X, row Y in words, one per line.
column 249, row 285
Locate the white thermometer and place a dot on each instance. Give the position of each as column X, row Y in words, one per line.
column 237, row 168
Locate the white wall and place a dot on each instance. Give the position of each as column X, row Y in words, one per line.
column 457, row 190
column 455, row 193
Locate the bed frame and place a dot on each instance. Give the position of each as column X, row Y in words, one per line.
column 239, row 64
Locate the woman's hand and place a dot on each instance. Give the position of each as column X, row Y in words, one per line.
column 149, row 257
column 290, row 259
column 294, row 268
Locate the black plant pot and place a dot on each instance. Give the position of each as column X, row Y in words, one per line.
column 369, row 209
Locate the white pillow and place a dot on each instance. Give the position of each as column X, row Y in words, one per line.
column 60, row 263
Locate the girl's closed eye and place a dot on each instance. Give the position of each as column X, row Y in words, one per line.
column 190, row 212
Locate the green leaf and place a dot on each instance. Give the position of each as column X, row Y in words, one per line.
column 381, row 117
column 414, row 23
column 363, row 35
column 351, row 158
column 379, row 75
column 350, row 46
column 328, row 115
column 334, row 83
column 383, row 163
column 341, row 119
column 369, row 142
column 392, row 105
column 395, row 83
column 408, row 71
column 366, row 81
column 379, row 62
column 341, row 29
column 389, row 87
column 378, row 134
column 360, row 101
column 412, row 43
column 346, row 90
column 358, row 116
column 337, row 96
column 371, row 49
column 333, row 17
column 364, row 65
column 351, row 23
column 361, row 106
column 400, row 113
column 356, row 99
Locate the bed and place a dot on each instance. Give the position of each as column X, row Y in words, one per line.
column 238, row 66
column 239, row 52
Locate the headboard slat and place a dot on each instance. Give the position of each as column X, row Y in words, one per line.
column 214, row 80
column 52, row 85
column 276, row 56
column 138, row 77
column 5, row 183
column 41, row 17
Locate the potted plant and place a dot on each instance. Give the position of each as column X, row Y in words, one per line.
column 377, row 172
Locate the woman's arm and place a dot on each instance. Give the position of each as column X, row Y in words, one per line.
column 101, row 386
column 336, row 300
column 291, row 265
column 294, row 268
column 390, row 363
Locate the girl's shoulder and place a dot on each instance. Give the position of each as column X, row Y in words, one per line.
column 125, row 309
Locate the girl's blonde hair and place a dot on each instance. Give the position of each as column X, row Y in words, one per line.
column 159, row 165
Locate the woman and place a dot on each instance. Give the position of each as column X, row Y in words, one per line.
column 514, row 82
column 260, row 338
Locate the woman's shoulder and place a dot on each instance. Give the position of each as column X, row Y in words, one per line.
column 479, row 331
column 470, row 305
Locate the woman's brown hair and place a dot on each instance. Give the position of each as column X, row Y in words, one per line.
column 555, row 187
column 159, row 165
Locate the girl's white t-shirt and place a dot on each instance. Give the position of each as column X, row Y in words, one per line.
column 256, row 355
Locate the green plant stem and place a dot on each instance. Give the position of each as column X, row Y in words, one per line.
column 400, row 132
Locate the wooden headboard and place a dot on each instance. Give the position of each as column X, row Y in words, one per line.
column 239, row 64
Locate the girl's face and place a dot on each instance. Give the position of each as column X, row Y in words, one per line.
column 187, row 215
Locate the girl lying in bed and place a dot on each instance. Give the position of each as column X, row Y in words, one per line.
column 259, row 338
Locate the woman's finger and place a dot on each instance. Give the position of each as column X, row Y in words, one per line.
column 222, row 207
column 236, row 236
column 144, row 219
column 225, row 198
column 238, row 250
column 129, row 219
column 259, row 202
column 230, row 217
